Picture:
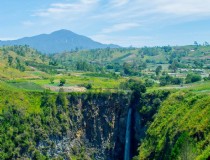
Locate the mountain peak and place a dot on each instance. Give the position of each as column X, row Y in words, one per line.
column 58, row 41
column 62, row 31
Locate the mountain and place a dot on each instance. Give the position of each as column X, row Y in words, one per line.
column 58, row 41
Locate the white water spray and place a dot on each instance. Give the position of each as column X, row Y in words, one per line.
column 128, row 136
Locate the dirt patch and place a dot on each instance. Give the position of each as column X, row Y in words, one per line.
column 66, row 89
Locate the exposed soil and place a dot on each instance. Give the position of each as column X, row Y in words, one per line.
column 66, row 88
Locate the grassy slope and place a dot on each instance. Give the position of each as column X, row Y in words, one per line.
column 78, row 80
column 25, row 120
column 183, row 114
column 11, row 96
column 10, row 72
column 197, row 87
column 132, row 54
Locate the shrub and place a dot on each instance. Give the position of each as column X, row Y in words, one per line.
column 149, row 82
column 192, row 77
column 88, row 86
column 62, row 81
column 52, row 80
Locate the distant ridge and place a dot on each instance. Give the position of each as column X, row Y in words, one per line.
column 58, row 41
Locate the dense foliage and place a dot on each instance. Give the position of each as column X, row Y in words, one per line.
column 33, row 123
column 174, row 127
column 22, row 129
column 180, row 129
column 132, row 61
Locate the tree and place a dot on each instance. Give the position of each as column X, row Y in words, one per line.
column 167, row 48
column 10, row 60
column 158, row 70
column 206, row 78
column 52, row 80
column 137, row 91
column 149, row 82
column 19, row 66
column 88, row 86
column 206, row 43
column 198, row 64
column 177, row 81
column 173, row 66
column 192, row 77
column 165, row 80
column 127, row 68
column 62, row 81
column 53, row 63
column 195, row 43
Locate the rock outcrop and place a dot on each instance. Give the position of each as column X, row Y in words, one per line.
column 98, row 127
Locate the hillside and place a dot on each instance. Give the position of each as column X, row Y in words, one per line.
column 18, row 61
column 44, row 125
column 86, row 117
column 58, row 41
column 180, row 130
column 174, row 60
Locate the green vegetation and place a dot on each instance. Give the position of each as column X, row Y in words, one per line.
column 27, row 120
column 26, row 85
column 180, row 129
column 133, row 61
column 33, row 122
column 62, row 82
column 192, row 78
column 104, row 68
column 174, row 109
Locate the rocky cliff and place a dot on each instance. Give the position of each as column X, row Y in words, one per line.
column 97, row 127
column 73, row 126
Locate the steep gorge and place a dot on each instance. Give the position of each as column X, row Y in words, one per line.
column 99, row 123
column 74, row 126
column 81, row 126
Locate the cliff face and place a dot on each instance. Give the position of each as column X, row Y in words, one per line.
column 73, row 126
column 97, row 127
column 104, row 126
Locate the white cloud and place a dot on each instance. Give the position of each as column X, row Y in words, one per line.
column 103, row 18
column 121, row 11
column 183, row 8
column 120, row 27
column 59, row 10
column 145, row 9
column 151, row 13
column 118, row 3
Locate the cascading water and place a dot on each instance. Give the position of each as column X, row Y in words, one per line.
column 128, row 136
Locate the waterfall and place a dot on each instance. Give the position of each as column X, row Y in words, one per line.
column 128, row 136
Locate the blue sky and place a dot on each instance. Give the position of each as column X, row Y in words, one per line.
column 124, row 22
